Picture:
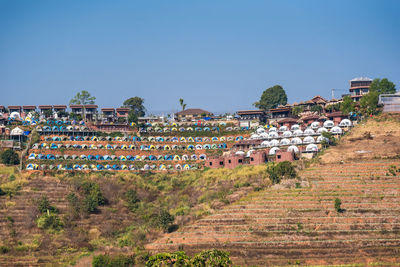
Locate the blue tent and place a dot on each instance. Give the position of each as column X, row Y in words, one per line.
column 152, row 157
column 59, row 122
column 198, row 139
column 168, row 157
column 91, row 157
column 27, row 132
column 99, row 157
column 115, row 167
column 53, row 146
column 41, row 156
column 50, row 156
column 99, row 167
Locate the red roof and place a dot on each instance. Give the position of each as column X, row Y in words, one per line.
column 335, row 114
column 29, row 107
column 45, row 106
column 250, row 112
column 107, row 109
column 14, row 107
column 281, row 109
column 60, row 106
column 122, row 109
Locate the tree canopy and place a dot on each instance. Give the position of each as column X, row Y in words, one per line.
column 272, row 97
column 137, row 109
column 183, row 105
column 382, row 86
column 82, row 98
column 369, row 103
column 347, row 105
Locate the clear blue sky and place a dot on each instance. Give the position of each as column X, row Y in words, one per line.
column 217, row 55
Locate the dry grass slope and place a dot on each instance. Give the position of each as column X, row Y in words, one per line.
column 279, row 226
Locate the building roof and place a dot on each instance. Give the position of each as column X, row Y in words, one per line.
column 108, row 109
column 14, row 107
column 288, row 120
column 250, row 112
column 335, row 114
column 310, row 117
column 361, row 79
column 81, row 106
column 45, row 106
column 29, row 107
column 193, row 111
column 122, row 109
column 59, row 106
column 280, row 109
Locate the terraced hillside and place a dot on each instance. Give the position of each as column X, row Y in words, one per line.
column 287, row 226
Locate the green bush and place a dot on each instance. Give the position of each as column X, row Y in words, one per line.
column 338, row 204
column 281, row 170
column 178, row 258
column 92, row 196
column 4, row 249
column 11, row 178
column 44, row 206
column 165, row 219
column 132, row 199
column 9, row 157
column 113, row 261
column 213, row 258
column 49, row 221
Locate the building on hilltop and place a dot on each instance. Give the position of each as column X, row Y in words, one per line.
column 390, row 102
column 359, row 87
column 192, row 114
column 250, row 118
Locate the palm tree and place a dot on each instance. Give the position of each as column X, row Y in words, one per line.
column 182, row 104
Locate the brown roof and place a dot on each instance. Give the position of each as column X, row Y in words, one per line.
column 1, row 107
column 193, row 111
column 76, row 106
column 14, row 107
column 245, row 112
column 310, row 117
column 122, row 109
column 288, row 120
column 280, row 109
column 107, row 109
column 60, row 106
column 29, row 107
column 45, row 106
column 91, row 106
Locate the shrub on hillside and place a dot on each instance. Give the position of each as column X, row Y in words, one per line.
column 9, row 157
column 132, row 199
column 280, row 171
column 338, row 205
column 49, row 220
column 212, row 257
column 205, row 258
column 44, row 206
column 4, row 249
column 92, row 196
column 113, row 261
column 178, row 258
column 165, row 219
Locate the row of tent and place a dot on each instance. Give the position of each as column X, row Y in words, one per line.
column 129, row 147
column 314, row 125
column 115, row 167
column 34, row 156
column 144, row 139
column 174, row 124
column 294, row 149
column 62, row 128
column 190, row 129
column 294, row 141
column 32, row 121
column 288, row 133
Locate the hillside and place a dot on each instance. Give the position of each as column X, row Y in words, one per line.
column 375, row 138
column 283, row 226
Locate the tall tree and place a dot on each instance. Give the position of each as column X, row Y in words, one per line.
column 347, row 105
column 382, row 86
column 83, row 98
column 183, row 105
column 137, row 109
column 369, row 103
column 272, row 97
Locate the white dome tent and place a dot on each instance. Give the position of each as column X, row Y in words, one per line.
column 287, row 134
column 336, row 130
column 296, row 141
column 328, row 124
column 264, row 135
column 273, row 150
column 17, row 131
column 345, row 123
column 309, row 131
column 295, row 127
column 273, row 135
column 308, row 140
column 322, row 130
column 240, row 153
column 273, row 129
column 283, row 128
column 312, row 147
column 298, row 133
column 315, row 125
column 284, row 142
column 321, row 139
column 264, row 144
column 274, row 142
column 293, row 149
column 15, row 115
column 254, row 136
column 260, row 130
